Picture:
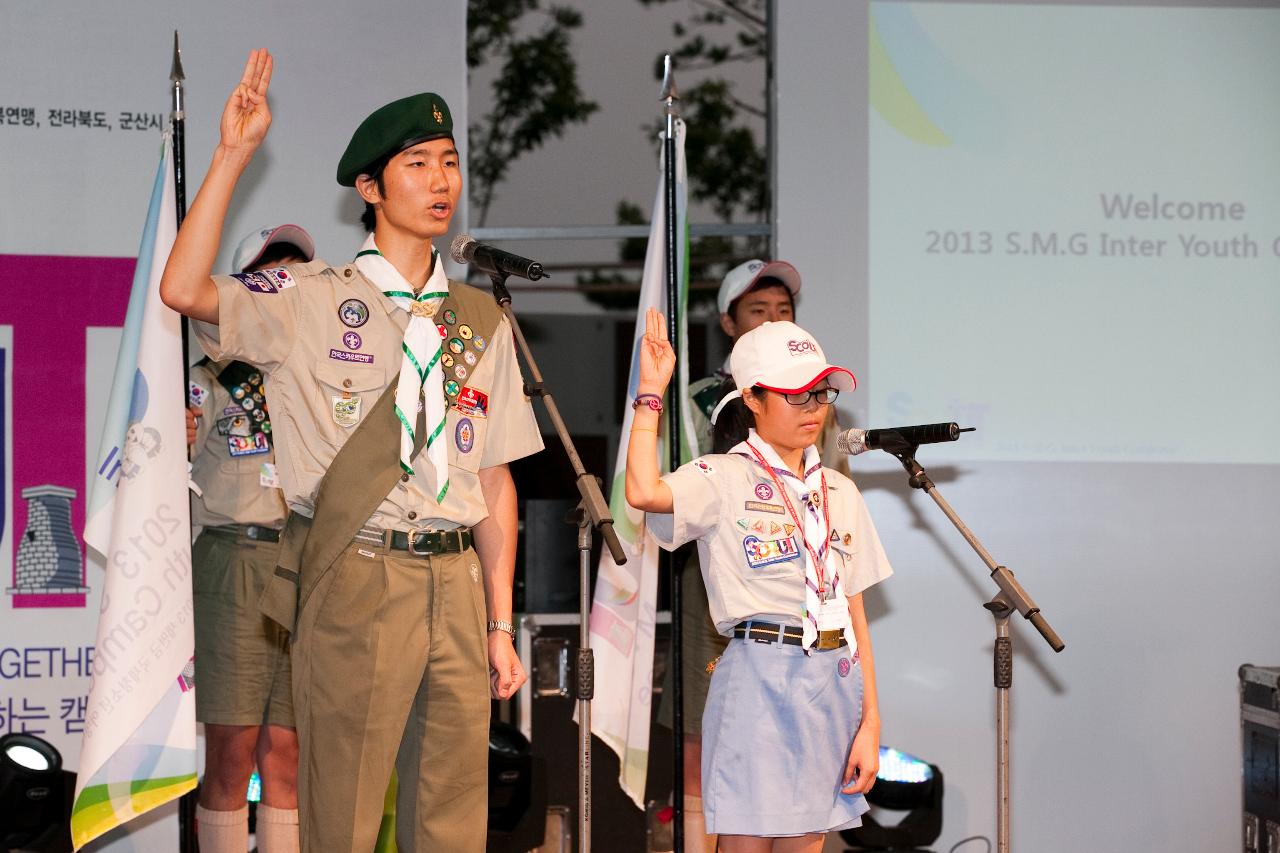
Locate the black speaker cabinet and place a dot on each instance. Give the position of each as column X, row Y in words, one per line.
column 548, row 647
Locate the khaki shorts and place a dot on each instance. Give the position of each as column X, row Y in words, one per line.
column 243, row 676
column 700, row 643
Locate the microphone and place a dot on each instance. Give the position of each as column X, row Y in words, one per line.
column 855, row 441
column 468, row 250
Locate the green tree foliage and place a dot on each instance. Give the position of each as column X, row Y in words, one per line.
column 535, row 94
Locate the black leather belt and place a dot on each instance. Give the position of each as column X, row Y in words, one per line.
column 768, row 632
column 427, row 543
column 250, row 531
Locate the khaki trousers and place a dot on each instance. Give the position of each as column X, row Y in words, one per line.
column 390, row 669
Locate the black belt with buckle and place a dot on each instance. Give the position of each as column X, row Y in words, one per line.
column 427, row 543
column 256, row 532
column 768, row 632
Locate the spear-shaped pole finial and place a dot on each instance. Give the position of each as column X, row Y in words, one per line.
column 669, row 94
column 176, row 77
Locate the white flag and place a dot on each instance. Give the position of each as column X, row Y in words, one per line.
column 139, row 747
column 624, row 610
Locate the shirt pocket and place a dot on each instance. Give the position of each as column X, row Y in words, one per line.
column 347, row 393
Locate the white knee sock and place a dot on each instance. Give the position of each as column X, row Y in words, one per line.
column 277, row 830
column 223, row 832
column 696, row 839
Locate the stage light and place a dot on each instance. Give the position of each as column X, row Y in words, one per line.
column 31, row 790
column 903, row 783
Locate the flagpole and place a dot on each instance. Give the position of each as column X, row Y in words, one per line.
column 669, row 97
column 178, row 120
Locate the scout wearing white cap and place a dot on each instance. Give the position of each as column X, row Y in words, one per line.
column 256, row 242
column 745, row 276
column 781, row 357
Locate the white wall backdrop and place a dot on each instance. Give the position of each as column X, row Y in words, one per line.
column 1161, row 576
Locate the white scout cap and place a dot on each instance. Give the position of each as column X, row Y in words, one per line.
column 257, row 241
column 781, row 357
column 743, row 277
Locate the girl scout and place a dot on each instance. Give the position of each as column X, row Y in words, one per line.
column 791, row 730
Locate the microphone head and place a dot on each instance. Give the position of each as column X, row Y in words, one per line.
column 852, row 442
column 463, row 248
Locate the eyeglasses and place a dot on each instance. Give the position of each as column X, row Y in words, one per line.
column 822, row 395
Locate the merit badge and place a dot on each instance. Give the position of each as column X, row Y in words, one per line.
column 239, row 392
column 446, row 359
column 774, row 528
column 353, row 313
column 256, row 282
column 440, row 329
column 351, row 340
column 450, row 317
column 764, row 491
column 249, row 404
column 844, row 667
column 469, row 357
column 247, row 445
column 479, row 343
column 789, row 528
column 451, row 388
column 835, row 537
column 766, row 552
column 758, row 525
column 196, row 393
column 464, row 435
column 460, row 372
column 464, row 332
column 704, row 466
column 456, row 346
column 757, row 506
column 474, row 403
column 259, row 415
column 346, row 411
column 744, row 523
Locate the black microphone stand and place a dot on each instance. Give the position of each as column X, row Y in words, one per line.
column 1011, row 597
column 592, row 514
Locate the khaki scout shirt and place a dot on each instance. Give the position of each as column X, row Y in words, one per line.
column 717, row 502
column 329, row 343
column 232, row 486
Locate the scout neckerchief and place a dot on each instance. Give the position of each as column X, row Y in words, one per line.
column 420, row 371
column 244, row 383
column 807, row 496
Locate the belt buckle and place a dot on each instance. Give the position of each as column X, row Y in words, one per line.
column 828, row 640
column 413, row 543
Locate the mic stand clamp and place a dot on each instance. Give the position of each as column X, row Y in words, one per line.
column 1011, row 597
column 592, row 514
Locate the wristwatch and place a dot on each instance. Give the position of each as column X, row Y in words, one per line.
column 502, row 625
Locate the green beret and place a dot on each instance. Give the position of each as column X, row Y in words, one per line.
column 392, row 129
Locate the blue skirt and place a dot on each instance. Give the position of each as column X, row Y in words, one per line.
column 776, row 735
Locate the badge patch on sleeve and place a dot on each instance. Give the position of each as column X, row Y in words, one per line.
column 257, row 282
column 247, row 445
column 766, row 552
column 464, row 435
column 197, row 393
column 472, row 402
column 704, row 466
column 280, row 277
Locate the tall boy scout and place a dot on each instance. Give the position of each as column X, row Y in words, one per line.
column 369, row 361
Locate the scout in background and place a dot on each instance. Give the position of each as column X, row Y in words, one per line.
column 791, row 731
column 397, row 405
column 242, row 659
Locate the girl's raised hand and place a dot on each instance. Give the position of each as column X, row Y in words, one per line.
column 657, row 358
